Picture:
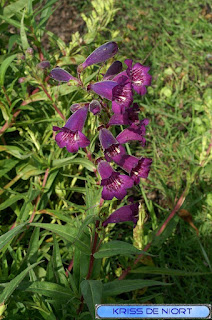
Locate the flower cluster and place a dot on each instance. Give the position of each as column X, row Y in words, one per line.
column 118, row 86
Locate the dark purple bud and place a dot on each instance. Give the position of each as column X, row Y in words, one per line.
column 114, row 184
column 95, row 107
column 123, row 214
column 113, row 70
column 101, row 54
column 104, row 88
column 61, row 75
column 139, row 76
column 113, row 150
column 43, row 65
column 71, row 136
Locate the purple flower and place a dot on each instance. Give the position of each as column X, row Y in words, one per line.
column 95, row 107
column 71, row 136
column 125, row 213
column 114, row 184
column 139, row 76
column 103, row 88
column 129, row 116
column 134, row 132
column 101, row 54
column 62, row 75
column 122, row 96
column 120, row 92
column 113, row 151
column 43, row 65
column 113, row 70
column 137, row 168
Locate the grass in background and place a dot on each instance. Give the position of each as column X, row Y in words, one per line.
column 173, row 37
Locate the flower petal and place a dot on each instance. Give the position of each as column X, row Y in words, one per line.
column 123, row 214
column 77, row 120
column 113, row 70
column 104, row 88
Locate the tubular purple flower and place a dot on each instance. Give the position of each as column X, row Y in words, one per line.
column 114, row 184
column 62, row 75
column 129, row 116
column 134, row 133
column 123, row 214
column 71, row 136
column 113, row 151
column 139, row 76
column 113, row 70
column 101, row 54
column 137, row 168
column 103, row 88
column 122, row 96
column 95, row 107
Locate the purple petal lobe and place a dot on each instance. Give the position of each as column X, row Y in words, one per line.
column 122, row 95
column 61, row 75
column 104, row 169
column 123, row 214
column 103, row 53
column 77, row 119
column 104, row 88
column 106, row 138
column 134, row 132
column 113, row 70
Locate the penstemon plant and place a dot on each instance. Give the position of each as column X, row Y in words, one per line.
column 118, row 87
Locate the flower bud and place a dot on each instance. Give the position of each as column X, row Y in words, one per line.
column 101, row 54
column 95, row 107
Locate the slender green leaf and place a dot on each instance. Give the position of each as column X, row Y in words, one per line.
column 11, row 200
column 14, row 283
column 72, row 160
column 66, row 232
column 8, row 236
column 92, row 293
column 49, row 289
column 121, row 286
column 23, row 35
column 114, row 248
column 171, row 272
column 13, row 8
column 5, row 64
column 57, row 264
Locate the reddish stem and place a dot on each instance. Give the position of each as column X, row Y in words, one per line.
column 6, row 96
column 70, row 266
column 9, row 124
column 54, row 105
